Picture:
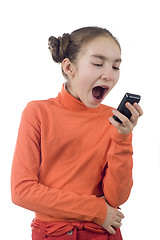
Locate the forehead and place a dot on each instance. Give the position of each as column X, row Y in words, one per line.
column 102, row 46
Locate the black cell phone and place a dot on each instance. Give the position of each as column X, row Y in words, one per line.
column 128, row 97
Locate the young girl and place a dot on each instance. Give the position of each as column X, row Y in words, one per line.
column 71, row 166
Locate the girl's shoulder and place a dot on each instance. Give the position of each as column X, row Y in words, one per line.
column 40, row 107
column 44, row 103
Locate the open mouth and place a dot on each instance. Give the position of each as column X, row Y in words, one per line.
column 99, row 92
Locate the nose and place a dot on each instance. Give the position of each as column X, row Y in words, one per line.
column 107, row 74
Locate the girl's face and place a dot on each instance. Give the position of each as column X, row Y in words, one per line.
column 96, row 71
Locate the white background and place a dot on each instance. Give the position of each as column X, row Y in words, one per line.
column 28, row 73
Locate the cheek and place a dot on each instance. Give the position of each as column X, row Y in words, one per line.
column 86, row 77
column 81, row 83
column 117, row 75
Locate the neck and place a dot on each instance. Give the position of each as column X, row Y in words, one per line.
column 67, row 89
column 66, row 85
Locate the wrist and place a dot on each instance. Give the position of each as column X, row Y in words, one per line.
column 119, row 136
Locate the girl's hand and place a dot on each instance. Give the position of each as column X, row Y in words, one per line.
column 113, row 219
column 127, row 124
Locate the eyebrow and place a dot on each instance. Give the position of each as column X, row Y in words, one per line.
column 104, row 58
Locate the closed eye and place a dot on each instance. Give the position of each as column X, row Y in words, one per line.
column 97, row 64
column 116, row 68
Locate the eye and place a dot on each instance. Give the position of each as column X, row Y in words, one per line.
column 116, row 68
column 97, row 64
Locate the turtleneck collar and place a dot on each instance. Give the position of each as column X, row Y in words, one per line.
column 73, row 104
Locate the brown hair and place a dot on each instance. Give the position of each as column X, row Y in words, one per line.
column 70, row 45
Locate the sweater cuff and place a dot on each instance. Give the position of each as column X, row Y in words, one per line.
column 120, row 137
column 102, row 212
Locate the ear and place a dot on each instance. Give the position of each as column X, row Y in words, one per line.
column 68, row 68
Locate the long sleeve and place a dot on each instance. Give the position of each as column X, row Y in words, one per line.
column 29, row 193
column 117, row 182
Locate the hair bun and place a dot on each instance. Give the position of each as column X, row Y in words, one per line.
column 58, row 47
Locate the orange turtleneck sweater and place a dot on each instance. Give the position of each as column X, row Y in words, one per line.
column 66, row 156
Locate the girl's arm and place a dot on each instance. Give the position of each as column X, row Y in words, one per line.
column 117, row 182
column 29, row 193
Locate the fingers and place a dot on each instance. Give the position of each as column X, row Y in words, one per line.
column 136, row 111
column 138, row 108
column 120, row 214
column 111, row 230
column 122, row 117
column 117, row 219
column 127, row 124
column 113, row 219
column 117, row 225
